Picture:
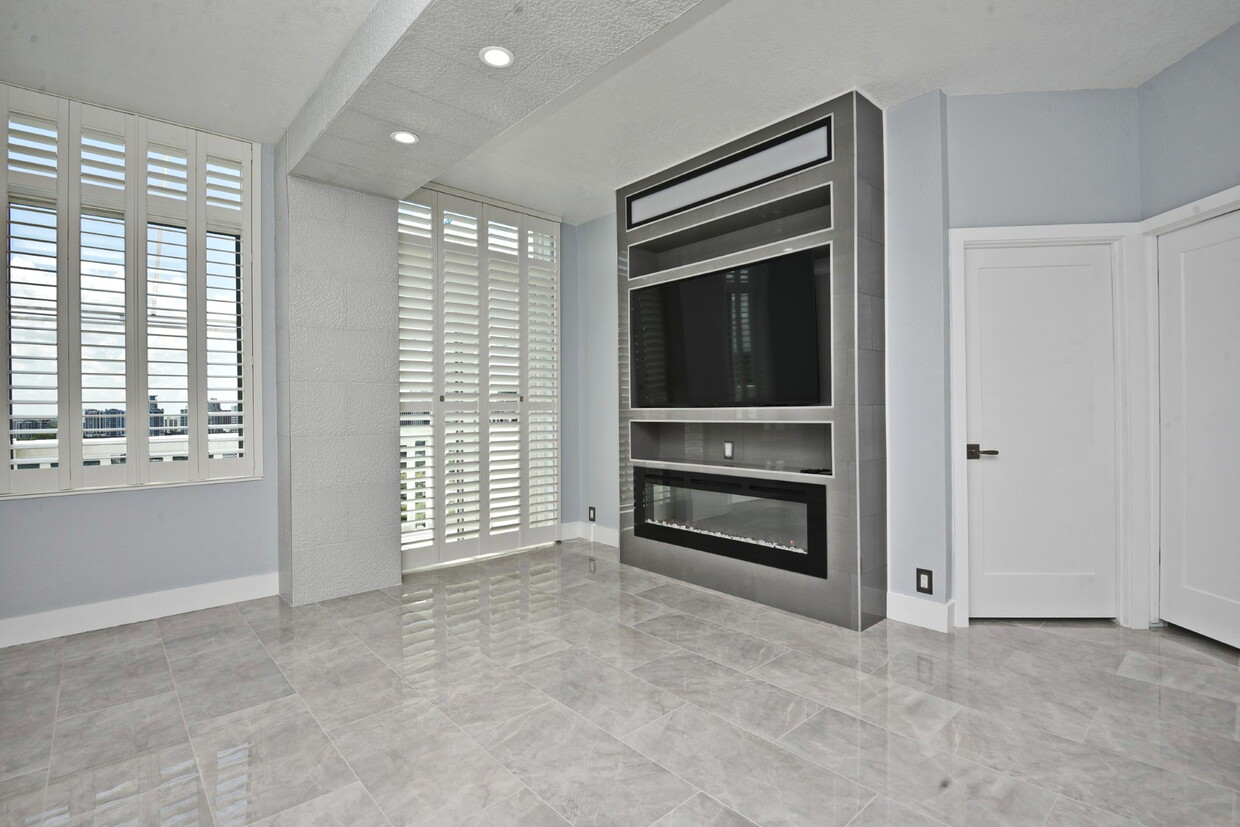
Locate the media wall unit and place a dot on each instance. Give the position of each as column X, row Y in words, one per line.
column 775, row 489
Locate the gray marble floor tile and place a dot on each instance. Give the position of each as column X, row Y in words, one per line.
column 112, row 676
column 961, row 644
column 612, row 575
column 116, row 732
column 195, row 633
column 1037, row 699
column 349, row 806
column 755, row 705
column 823, row 640
column 1089, row 689
column 21, row 799
column 266, row 759
column 871, row 698
column 604, row 694
column 511, row 644
column 26, row 721
column 398, row 635
column 33, row 669
column 614, row 604
column 1100, row 778
column 474, row 691
column 160, row 787
column 524, row 809
column 616, row 643
column 1212, row 682
column 345, row 684
column 917, row 775
column 561, row 757
column 1069, row 813
column 114, row 639
column 729, row 647
column 356, row 605
column 703, row 811
column 227, row 680
column 1059, row 648
column 717, row 608
column 1212, row 758
column 883, row 812
column 456, row 778
column 760, row 781
column 1153, row 642
column 291, row 632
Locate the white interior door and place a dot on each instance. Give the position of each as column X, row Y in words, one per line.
column 1199, row 340
column 1039, row 349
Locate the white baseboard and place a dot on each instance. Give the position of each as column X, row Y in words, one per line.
column 917, row 612
column 109, row 613
column 581, row 531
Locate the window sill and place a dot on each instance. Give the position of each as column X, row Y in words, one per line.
column 150, row 486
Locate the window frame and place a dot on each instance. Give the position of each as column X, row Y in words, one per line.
column 74, row 198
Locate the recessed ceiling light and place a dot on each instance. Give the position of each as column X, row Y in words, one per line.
column 400, row 136
column 496, row 56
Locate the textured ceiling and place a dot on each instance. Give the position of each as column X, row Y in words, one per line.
column 433, row 84
column 752, row 62
column 239, row 67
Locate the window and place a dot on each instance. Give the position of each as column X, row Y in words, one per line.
column 128, row 301
column 479, row 378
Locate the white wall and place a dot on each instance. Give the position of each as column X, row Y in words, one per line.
column 73, row 549
column 1190, row 126
column 338, row 388
column 918, row 470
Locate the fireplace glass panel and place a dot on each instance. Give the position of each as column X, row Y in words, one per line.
column 776, row 524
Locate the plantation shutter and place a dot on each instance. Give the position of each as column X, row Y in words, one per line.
column 479, row 370
column 129, row 300
column 418, row 395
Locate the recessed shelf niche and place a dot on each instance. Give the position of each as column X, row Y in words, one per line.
column 788, row 447
column 786, row 218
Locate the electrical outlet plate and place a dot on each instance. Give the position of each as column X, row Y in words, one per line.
column 925, row 581
column 592, row 513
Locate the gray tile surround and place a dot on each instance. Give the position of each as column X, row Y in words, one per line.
column 536, row 696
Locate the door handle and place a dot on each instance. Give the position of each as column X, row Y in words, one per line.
column 974, row 451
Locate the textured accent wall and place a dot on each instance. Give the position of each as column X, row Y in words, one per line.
column 337, row 390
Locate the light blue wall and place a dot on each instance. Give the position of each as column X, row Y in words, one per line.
column 68, row 550
column 918, row 479
column 1190, row 126
column 592, row 396
column 1043, row 158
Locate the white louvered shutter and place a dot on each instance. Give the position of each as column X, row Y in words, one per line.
column 542, row 292
column 461, row 371
column 129, row 300
column 418, row 394
column 504, row 386
column 479, row 367
column 35, row 293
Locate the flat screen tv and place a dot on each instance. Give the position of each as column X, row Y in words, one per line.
column 742, row 337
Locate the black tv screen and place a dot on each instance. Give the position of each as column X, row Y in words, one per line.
column 742, row 337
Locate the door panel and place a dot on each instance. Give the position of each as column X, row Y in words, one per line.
column 1041, row 391
column 1199, row 335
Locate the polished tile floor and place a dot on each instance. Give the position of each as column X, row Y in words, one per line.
column 553, row 687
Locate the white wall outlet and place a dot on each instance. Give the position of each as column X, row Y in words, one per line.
column 728, row 449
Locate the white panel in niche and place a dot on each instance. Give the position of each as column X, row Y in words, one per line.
column 784, row 156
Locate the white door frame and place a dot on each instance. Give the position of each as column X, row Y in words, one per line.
column 1135, row 296
column 1125, row 252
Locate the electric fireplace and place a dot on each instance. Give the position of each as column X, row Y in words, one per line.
column 769, row 522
